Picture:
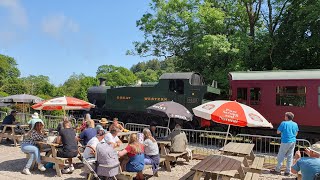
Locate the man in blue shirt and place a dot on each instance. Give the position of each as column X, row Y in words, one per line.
column 288, row 130
column 88, row 133
column 309, row 166
column 10, row 119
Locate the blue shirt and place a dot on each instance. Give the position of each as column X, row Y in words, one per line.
column 87, row 134
column 10, row 119
column 288, row 131
column 308, row 166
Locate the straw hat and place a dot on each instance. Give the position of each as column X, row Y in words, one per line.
column 315, row 148
column 103, row 121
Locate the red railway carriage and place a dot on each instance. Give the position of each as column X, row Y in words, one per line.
column 273, row 93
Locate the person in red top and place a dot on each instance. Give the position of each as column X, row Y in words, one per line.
column 135, row 152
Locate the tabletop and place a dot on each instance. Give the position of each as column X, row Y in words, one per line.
column 15, row 125
column 217, row 164
column 239, row 148
column 127, row 133
column 164, row 142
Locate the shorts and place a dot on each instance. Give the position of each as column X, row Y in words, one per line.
column 67, row 154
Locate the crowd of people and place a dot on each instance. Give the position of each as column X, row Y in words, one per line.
column 142, row 148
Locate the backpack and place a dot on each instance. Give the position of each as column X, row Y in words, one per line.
column 107, row 163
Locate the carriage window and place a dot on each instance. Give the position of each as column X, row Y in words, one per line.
column 180, row 86
column 242, row 95
column 255, row 94
column 291, row 96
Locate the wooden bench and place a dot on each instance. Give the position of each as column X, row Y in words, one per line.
column 257, row 165
column 130, row 175
column 251, row 176
column 173, row 157
column 188, row 176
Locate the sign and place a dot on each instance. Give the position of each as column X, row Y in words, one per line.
column 123, row 97
column 155, row 99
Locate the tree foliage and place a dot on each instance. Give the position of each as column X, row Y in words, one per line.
column 116, row 76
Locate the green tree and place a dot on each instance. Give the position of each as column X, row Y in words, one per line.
column 148, row 76
column 8, row 69
column 85, row 83
column 39, row 85
column 116, row 76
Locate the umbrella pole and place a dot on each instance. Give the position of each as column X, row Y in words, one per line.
column 225, row 141
column 169, row 123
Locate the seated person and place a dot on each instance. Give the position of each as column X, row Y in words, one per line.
column 88, row 133
column 104, row 123
column 87, row 118
column 28, row 145
column 178, row 140
column 60, row 125
column 34, row 118
column 112, row 138
column 153, row 128
column 67, row 137
column 309, row 166
column 115, row 124
column 135, row 152
column 90, row 150
column 151, row 151
column 10, row 119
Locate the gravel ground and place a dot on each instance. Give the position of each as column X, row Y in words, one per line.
column 12, row 161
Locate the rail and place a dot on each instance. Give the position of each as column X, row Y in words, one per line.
column 23, row 118
column 3, row 115
column 160, row 130
column 268, row 146
column 206, row 142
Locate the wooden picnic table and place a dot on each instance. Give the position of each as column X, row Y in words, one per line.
column 240, row 149
column 162, row 145
column 219, row 165
column 12, row 135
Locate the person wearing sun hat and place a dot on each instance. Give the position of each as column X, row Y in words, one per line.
column 34, row 118
column 309, row 166
column 104, row 123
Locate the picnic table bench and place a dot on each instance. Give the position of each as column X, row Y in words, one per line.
column 217, row 165
column 6, row 133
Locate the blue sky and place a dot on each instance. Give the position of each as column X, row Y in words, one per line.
column 58, row 38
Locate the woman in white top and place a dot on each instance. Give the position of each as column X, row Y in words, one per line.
column 151, row 150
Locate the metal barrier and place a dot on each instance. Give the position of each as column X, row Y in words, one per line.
column 267, row 146
column 3, row 115
column 23, row 118
column 160, row 131
column 206, row 142
column 52, row 122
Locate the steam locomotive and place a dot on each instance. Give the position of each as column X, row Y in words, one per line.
column 129, row 103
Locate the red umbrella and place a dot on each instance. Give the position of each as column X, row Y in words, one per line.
column 63, row 103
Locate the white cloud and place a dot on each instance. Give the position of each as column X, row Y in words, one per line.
column 17, row 13
column 56, row 25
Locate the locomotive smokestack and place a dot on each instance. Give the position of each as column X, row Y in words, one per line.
column 102, row 81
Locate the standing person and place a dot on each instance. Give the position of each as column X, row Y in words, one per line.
column 153, row 129
column 29, row 146
column 151, row 151
column 309, row 166
column 135, row 151
column 87, row 118
column 88, row 133
column 112, row 138
column 115, row 124
column 288, row 130
column 10, row 119
column 67, row 137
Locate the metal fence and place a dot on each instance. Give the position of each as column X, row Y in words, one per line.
column 206, row 142
column 23, row 118
column 52, row 122
column 2, row 115
column 268, row 146
column 160, row 131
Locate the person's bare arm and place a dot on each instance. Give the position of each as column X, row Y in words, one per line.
column 58, row 140
column 278, row 132
column 122, row 153
column 297, row 156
